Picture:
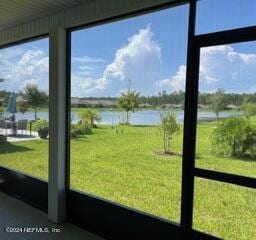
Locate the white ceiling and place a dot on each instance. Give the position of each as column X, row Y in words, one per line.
column 13, row 12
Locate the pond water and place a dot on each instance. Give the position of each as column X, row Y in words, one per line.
column 144, row 117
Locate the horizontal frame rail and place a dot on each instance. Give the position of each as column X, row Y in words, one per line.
column 226, row 177
column 245, row 34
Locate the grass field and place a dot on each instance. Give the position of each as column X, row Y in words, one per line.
column 124, row 165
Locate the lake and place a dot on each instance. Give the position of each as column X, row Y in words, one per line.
column 144, row 117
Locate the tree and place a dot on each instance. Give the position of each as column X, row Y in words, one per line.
column 89, row 116
column 249, row 109
column 169, row 126
column 129, row 101
column 35, row 97
column 22, row 106
column 218, row 102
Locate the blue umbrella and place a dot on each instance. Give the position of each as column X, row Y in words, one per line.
column 12, row 104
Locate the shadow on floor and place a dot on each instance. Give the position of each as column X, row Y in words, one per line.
column 11, row 148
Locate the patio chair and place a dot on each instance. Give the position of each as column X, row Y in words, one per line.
column 22, row 125
column 2, row 125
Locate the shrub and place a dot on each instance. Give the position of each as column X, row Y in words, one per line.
column 89, row 116
column 74, row 131
column 234, row 137
column 79, row 129
column 40, row 124
column 42, row 127
column 85, row 129
column 1, row 111
column 249, row 109
column 248, row 141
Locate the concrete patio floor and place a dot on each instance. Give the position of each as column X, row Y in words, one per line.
column 15, row 213
column 20, row 136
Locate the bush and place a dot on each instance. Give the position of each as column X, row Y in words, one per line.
column 249, row 109
column 234, row 137
column 40, row 125
column 89, row 116
column 79, row 129
column 1, row 111
column 248, row 141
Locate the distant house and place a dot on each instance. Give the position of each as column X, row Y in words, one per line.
column 145, row 105
column 85, row 102
column 232, row 107
column 19, row 99
column 75, row 102
column 172, row 106
column 202, row 106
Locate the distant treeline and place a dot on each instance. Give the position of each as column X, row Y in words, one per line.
column 230, row 98
column 173, row 98
column 179, row 97
column 203, row 98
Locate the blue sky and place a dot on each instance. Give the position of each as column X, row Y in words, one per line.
column 149, row 51
column 217, row 15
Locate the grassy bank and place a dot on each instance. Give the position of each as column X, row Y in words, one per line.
column 124, row 165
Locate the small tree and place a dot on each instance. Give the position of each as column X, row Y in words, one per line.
column 35, row 97
column 169, row 126
column 218, row 102
column 129, row 101
column 22, row 106
column 89, row 116
column 249, row 109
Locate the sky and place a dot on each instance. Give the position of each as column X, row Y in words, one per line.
column 146, row 52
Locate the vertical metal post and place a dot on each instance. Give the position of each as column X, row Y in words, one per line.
column 190, row 119
column 68, row 106
column 57, row 125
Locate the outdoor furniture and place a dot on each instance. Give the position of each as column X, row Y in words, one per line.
column 22, row 125
column 3, row 139
column 2, row 125
column 12, row 126
column 30, row 126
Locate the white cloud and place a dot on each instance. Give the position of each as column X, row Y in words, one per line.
column 19, row 66
column 87, row 59
column 138, row 61
column 176, row 82
column 86, row 68
column 220, row 67
column 85, row 86
column 227, row 68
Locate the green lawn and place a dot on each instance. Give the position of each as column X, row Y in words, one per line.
column 123, row 165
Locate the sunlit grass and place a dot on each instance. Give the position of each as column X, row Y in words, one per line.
column 122, row 165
